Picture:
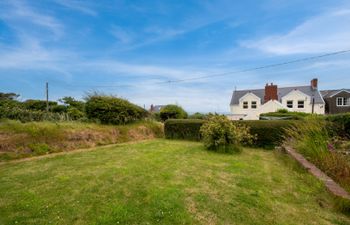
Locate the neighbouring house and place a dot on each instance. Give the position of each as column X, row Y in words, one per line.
column 249, row 104
column 337, row 101
column 156, row 108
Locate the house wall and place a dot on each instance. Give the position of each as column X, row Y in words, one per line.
column 296, row 96
column 246, row 114
column 272, row 106
column 332, row 107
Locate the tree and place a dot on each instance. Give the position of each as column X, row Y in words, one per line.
column 172, row 112
column 8, row 96
column 71, row 102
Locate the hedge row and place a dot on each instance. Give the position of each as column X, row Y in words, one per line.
column 269, row 133
column 187, row 129
column 341, row 124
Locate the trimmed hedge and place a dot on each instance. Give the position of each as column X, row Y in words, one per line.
column 269, row 133
column 284, row 115
column 188, row 129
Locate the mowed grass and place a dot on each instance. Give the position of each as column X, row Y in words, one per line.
column 163, row 182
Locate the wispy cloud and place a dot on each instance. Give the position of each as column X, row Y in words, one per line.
column 121, row 34
column 78, row 6
column 17, row 13
column 323, row 33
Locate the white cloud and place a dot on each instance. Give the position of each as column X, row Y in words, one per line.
column 77, row 5
column 121, row 34
column 324, row 33
column 17, row 14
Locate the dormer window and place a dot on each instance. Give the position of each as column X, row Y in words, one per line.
column 245, row 105
column 290, row 104
column 300, row 104
column 253, row 104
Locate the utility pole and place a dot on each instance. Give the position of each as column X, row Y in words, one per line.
column 47, row 96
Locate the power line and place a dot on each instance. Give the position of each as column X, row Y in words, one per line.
column 261, row 67
column 232, row 72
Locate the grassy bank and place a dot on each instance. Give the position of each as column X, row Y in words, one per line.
column 163, row 182
column 19, row 140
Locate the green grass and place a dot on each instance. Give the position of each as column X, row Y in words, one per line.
column 163, row 182
column 21, row 140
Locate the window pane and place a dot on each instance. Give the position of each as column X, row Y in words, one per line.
column 300, row 104
column 346, row 101
column 253, row 104
column 339, row 101
column 290, row 104
column 245, row 105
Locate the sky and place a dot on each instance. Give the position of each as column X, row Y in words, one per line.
column 131, row 49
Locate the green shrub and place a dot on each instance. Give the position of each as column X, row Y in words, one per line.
column 284, row 114
column 187, row 129
column 25, row 115
column 172, row 112
column 39, row 148
column 199, row 116
column 221, row 135
column 340, row 124
column 113, row 110
column 59, row 109
column 71, row 102
column 75, row 113
column 37, row 105
column 269, row 133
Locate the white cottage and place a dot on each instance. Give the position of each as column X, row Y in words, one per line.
column 249, row 104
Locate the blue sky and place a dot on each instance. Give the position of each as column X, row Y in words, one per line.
column 81, row 46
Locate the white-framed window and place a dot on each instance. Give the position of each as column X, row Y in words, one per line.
column 290, row 104
column 253, row 105
column 301, row 104
column 343, row 101
column 245, row 105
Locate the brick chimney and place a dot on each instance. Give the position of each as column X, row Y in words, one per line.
column 314, row 84
column 270, row 92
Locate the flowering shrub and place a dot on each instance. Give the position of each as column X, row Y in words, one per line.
column 221, row 135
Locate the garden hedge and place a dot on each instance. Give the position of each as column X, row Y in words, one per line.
column 340, row 124
column 187, row 129
column 269, row 132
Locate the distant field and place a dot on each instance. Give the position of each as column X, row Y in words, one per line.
column 163, row 182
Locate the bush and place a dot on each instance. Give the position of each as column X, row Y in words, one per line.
column 75, row 113
column 113, row 110
column 199, row 116
column 221, row 135
column 269, row 133
column 25, row 115
column 172, row 112
column 284, row 114
column 59, row 109
column 340, row 124
column 187, row 129
column 38, row 105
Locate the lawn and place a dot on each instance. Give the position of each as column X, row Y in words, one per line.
column 163, row 182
